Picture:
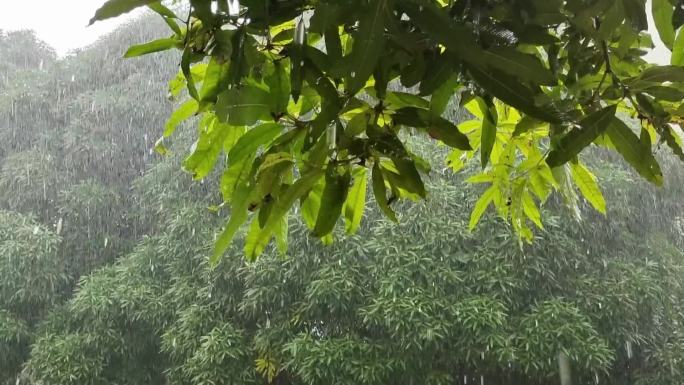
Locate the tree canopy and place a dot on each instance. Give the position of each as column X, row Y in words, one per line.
column 312, row 100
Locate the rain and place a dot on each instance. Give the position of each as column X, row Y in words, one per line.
column 106, row 241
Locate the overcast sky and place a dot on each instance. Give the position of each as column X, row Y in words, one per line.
column 62, row 24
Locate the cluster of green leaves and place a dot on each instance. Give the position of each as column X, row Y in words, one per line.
column 300, row 96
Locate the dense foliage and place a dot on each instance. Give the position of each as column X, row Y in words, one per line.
column 298, row 93
column 106, row 278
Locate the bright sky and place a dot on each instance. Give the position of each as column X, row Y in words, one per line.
column 64, row 28
column 62, row 24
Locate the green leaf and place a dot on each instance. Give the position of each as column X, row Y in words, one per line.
column 588, row 186
column 442, row 95
column 678, row 49
column 518, row 64
column 238, row 216
column 150, row 47
column 660, row 74
column 332, row 200
column 409, row 176
column 530, row 209
column 355, row 204
column 282, row 206
column 673, row 140
column 184, row 112
column 481, row 205
column 437, row 127
column 243, row 106
column 279, row 84
column 634, row 152
column 206, row 150
column 369, row 41
column 157, row 7
column 662, row 16
column 214, row 78
column 380, row 192
column 509, row 90
column 168, row 16
column 636, row 14
column 489, row 123
column 577, row 139
column 253, row 139
column 114, row 8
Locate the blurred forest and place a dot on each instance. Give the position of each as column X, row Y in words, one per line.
column 104, row 273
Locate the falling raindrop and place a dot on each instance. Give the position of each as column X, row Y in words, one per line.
column 58, row 230
column 234, row 8
column 106, row 241
column 35, row 230
column 300, row 32
column 481, row 380
column 73, row 78
column 332, row 136
column 628, row 347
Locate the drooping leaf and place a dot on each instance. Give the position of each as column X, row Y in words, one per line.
column 355, row 204
column 633, row 151
column 660, row 74
column 530, row 209
column 184, row 112
column 662, row 16
column 677, row 58
column 380, row 193
column 489, row 124
column 481, row 205
column 409, row 176
column 114, row 8
column 437, row 127
column 282, row 206
column 214, row 79
column 238, row 216
column 332, row 201
column 279, row 84
column 150, row 47
column 577, row 139
column 588, row 186
column 511, row 91
column 369, row 41
column 243, row 106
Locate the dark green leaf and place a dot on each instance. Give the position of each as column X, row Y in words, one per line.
column 633, row 151
column 380, row 192
column 113, row 8
column 332, row 200
column 661, row 74
column 369, row 41
column 511, row 91
column 409, row 176
column 662, row 16
column 577, row 139
column 153, row 46
column 214, row 79
column 285, row 201
column 184, row 112
column 243, row 106
column 489, row 125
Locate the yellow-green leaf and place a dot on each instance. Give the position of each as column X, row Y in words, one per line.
column 481, row 205
column 356, row 201
column 588, row 186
